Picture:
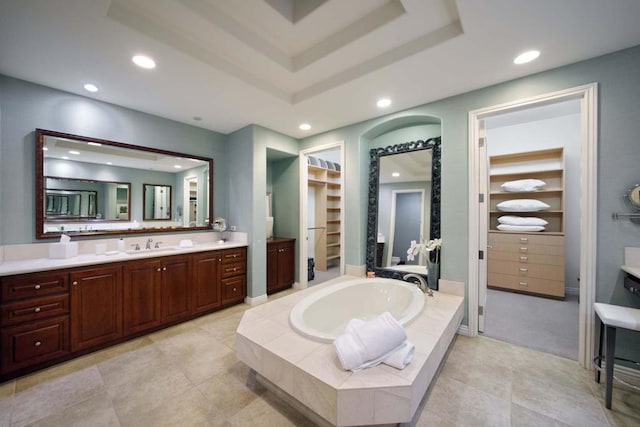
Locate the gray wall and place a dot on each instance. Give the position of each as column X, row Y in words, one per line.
column 27, row 106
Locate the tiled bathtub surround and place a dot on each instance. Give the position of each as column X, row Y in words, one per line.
column 310, row 371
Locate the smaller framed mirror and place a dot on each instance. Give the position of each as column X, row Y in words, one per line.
column 156, row 202
column 633, row 197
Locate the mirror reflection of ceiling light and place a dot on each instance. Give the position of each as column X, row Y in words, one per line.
column 44, row 148
column 383, row 102
column 395, row 174
column 90, row 87
column 95, row 144
column 65, row 157
column 74, row 152
column 143, row 61
column 305, row 126
column 109, row 163
column 527, row 56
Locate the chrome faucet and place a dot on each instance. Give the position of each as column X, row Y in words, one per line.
column 149, row 241
column 422, row 283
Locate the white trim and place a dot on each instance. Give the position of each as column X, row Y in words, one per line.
column 572, row 291
column 629, row 375
column 303, row 248
column 588, row 191
column 464, row 330
column 256, row 300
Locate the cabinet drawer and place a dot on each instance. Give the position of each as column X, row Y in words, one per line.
column 229, row 270
column 34, row 285
column 234, row 255
column 527, row 248
column 35, row 308
column 525, row 257
column 533, row 239
column 527, row 284
column 32, row 343
column 541, row 271
column 233, row 289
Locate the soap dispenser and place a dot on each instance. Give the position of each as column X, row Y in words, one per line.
column 121, row 244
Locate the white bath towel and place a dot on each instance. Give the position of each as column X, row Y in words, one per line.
column 366, row 344
column 402, row 357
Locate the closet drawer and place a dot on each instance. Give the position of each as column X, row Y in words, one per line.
column 533, row 285
column 531, row 239
column 540, row 271
column 35, row 308
column 525, row 257
column 234, row 255
column 229, row 270
column 521, row 248
column 33, row 285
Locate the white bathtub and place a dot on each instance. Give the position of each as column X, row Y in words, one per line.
column 323, row 315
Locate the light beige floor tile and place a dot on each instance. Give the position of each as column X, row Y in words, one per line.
column 433, row 419
column 225, row 327
column 467, row 406
column 131, row 367
column 269, row 412
column 172, row 331
column 625, row 404
column 51, row 397
column 189, row 408
column 523, row 417
column 565, row 403
column 7, row 391
column 228, row 395
column 96, row 411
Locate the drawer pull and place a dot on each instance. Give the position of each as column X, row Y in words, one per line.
column 524, row 270
column 523, row 249
column 158, row 269
column 164, row 268
column 524, row 239
column 235, row 269
column 37, row 309
column 75, row 283
column 38, row 343
column 235, row 255
column 523, row 258
column 234, row 289
column 523, row 283
column 36, row 287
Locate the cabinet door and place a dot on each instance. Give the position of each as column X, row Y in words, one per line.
column 142, row 295
column 286, row 265
column 96, row 306
column 272, row 267
column 206, row 287
column 176, row 285
column 234, row 289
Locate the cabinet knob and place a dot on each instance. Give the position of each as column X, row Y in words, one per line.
column 37, row 309
column 235, row 269
column 158, row 269
column 235, row 255
column 36, row 287
column 164, row 268
column 234, row 289
column 75, row 283
column 38, row 344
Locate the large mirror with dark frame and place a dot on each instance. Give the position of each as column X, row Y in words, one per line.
column 404, row 205
column 89, row 186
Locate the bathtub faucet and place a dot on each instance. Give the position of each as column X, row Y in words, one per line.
column 422, row 283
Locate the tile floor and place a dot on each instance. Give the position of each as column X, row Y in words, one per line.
column 188, row 375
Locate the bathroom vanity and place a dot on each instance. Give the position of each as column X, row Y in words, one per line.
column 281, row 268
column 54, row 314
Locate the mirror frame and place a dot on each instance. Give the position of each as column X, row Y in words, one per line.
column 39, row 196
column 375, row 154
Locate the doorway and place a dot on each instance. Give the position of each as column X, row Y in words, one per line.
column 407, row 213
column 322, row 214
column 479, row 223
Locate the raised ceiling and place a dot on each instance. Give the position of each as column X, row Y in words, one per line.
column 278, row 63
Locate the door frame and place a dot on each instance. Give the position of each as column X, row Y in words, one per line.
column 392, row 219
column 588, row 95
column 304, row 204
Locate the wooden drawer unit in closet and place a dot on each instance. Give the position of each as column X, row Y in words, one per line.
column 34, row 324
column 531, row 263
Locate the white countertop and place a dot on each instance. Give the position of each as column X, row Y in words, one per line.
column 44, row 264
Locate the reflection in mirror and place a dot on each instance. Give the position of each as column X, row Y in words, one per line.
column 117, row 173
column 402, row 208
column 633, row 196
column 157, row 202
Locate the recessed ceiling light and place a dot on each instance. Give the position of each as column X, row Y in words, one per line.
column 74, row 152
column 383, row 102
column 527, row 56
column 144, row 62
column 395, row 174
column 305, row 126
column 109, row 163
column 95, row 144
column 90, row 87
column 177, row 166
column 65, row 157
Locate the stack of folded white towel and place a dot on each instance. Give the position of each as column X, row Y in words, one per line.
column 365, row 344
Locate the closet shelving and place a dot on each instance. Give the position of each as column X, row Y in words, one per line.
column 327, row 214
column 528, row 262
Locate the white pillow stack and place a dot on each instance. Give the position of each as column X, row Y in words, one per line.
column 522, row 205
column 521, row 223
column 526, row 185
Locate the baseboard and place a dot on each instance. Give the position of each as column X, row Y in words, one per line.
column 256, row 300
column 626, row 374
column 572, row 291
column 464, row 330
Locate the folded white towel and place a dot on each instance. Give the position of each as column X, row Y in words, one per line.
column 367, row 344
column 400, row 358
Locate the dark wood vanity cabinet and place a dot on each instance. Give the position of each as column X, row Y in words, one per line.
column 281, row 258
column 52, row 316
column 96, row 306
